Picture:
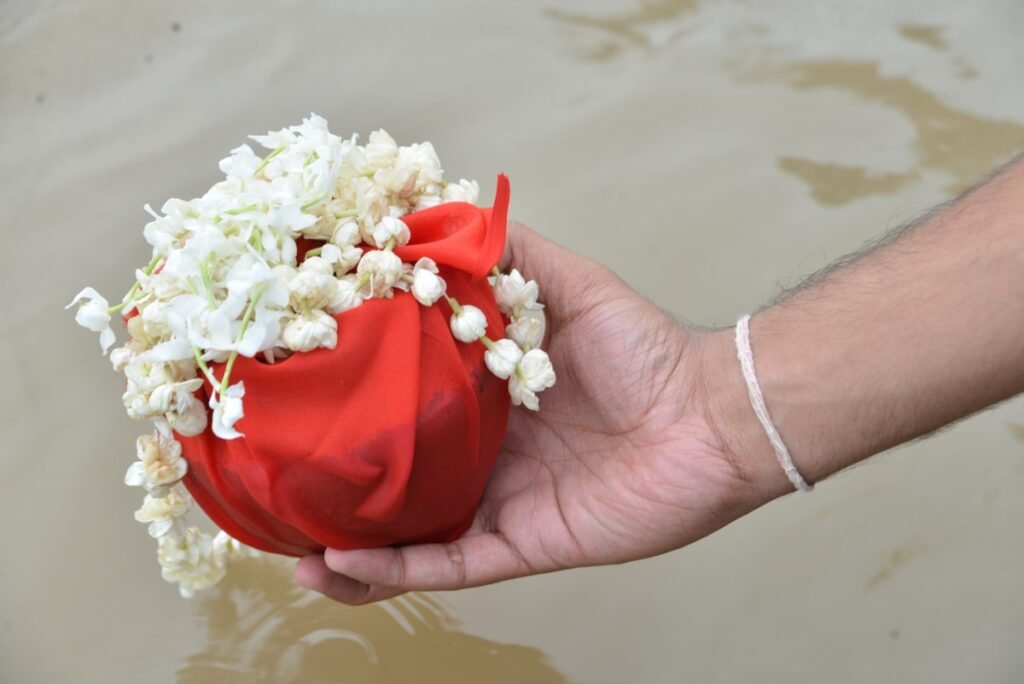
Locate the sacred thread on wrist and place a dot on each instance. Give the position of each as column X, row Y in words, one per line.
column 746, row 358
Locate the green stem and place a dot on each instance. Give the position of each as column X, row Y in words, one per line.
column 495, row 271
column 313, row 202
column 389, row 246
column 150, row 267
column 202, row 365
column 487, row 342
column 204, row 269
column 456, row 307
column 266, row 161
column 246, row 317
column 348, row 213
column 317, row 251
column 242, row 210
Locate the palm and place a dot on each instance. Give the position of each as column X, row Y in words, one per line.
column 617, row 464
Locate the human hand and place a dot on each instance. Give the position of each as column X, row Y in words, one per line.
column 622, row 462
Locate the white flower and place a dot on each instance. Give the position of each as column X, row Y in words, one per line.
column 399, row 181
column 161, row 512
column 463, row 191
column 513, row 293
column 383, row 270
column 345, row 297
column 533, row 374
column 390, row 228
column 381, row 149
column 312, row 288
column 228, row 410
column 189, row 560
column 188, row 416
column 469, row 324
column 426, row 202
column 94, row 314
column 120, row 357
column 427, row 286
column 528, row 329
column 241, row 164
column 502, row 358
column 156, row 392
column 311, row 331
column 423, row 159
column 160, row 464
column 346, row 234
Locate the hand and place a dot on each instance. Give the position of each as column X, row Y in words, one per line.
column 620, row 463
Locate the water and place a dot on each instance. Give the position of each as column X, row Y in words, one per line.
column 710, row 152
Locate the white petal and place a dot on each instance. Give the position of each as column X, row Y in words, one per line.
column 135, row 475
column 159, row 528
column 107, row 339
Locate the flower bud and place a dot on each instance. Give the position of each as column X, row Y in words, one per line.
column 427, row 286
column 311, row 288
column 311, row 331
column 345, row 297
column 381, row 149
column 503, row 358
column 469, row 324
column 514, row 293
column 463, row 191
column 384, row 270
column 390, row 228
column 533, row 374
column 527, row 330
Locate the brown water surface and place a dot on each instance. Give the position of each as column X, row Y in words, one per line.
column 710, row 152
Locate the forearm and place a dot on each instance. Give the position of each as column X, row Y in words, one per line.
column 914, row 335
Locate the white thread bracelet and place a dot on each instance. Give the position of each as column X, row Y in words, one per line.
column 746, row 357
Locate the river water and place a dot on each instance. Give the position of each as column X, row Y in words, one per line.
column 710, row 152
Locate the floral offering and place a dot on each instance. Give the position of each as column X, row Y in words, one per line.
column 326, row 349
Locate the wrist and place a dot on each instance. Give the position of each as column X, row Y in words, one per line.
column 731, row 418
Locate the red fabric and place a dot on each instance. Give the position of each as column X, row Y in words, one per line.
column 388, row 438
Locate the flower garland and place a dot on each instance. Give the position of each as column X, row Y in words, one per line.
column 226, row 279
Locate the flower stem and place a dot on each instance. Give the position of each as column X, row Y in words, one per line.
column 150, row 267
column 348, row 213
column 313, row 202
column 204, row 269
column 456, row 307
column 495, row 271
column 203, row 366
column 389, row 246
column 246, row 317
column 266, row 160
column 315, row 252
column 242, row 210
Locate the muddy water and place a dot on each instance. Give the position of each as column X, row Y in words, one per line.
column 734, row 146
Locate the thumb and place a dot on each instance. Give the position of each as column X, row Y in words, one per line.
column 566, row 279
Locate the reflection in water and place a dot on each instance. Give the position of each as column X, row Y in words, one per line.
column 617, row 33
column 952, row 141
column 836, row 184
column 924, row 34
column 261, row 627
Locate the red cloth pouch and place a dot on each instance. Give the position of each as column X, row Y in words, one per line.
column 387, row 439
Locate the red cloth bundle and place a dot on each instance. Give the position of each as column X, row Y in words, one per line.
column 390, row 437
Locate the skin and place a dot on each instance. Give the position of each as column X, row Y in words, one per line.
column 648, row 442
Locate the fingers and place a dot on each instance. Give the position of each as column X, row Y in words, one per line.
column 468, row 562
column 312, row 573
